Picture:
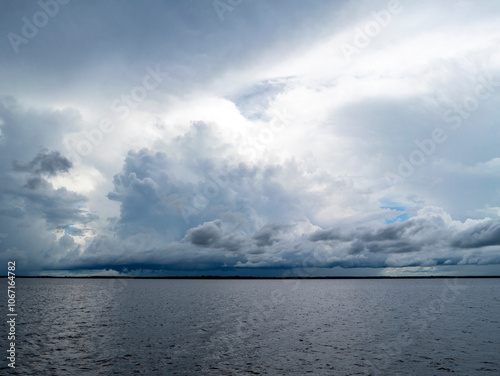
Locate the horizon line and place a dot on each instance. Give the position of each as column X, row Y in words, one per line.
column 250, row 277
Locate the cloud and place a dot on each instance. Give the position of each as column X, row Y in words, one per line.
column 269, row 234
column 45, row 163
column 323, row 235
column 262, row 148
column 36, row 183
column 32, row 211
column 207, row 234
column 480, row 235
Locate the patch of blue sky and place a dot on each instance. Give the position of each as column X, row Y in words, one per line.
column 69, row 229
column 400, row 218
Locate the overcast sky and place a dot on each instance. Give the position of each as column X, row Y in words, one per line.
column 257, row 137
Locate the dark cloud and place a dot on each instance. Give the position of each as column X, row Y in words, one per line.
column 413, row 235
column 269, row 234
column 481, row 235
column 207, row 234
column 45, row 163
column 324, row 235
column 218, row 235
column 216, row 246
column 36, row 182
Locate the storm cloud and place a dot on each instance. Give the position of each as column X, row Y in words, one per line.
column 45, row 163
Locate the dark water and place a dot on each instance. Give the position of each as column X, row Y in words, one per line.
column 249, row 327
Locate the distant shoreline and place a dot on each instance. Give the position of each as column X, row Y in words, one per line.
column 238, row 277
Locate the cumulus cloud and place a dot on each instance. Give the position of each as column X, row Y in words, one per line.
column 227, row 222
column 207, row 234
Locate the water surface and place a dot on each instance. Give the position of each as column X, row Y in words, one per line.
column 248, row 327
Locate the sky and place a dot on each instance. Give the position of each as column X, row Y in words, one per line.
column 252, row 138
